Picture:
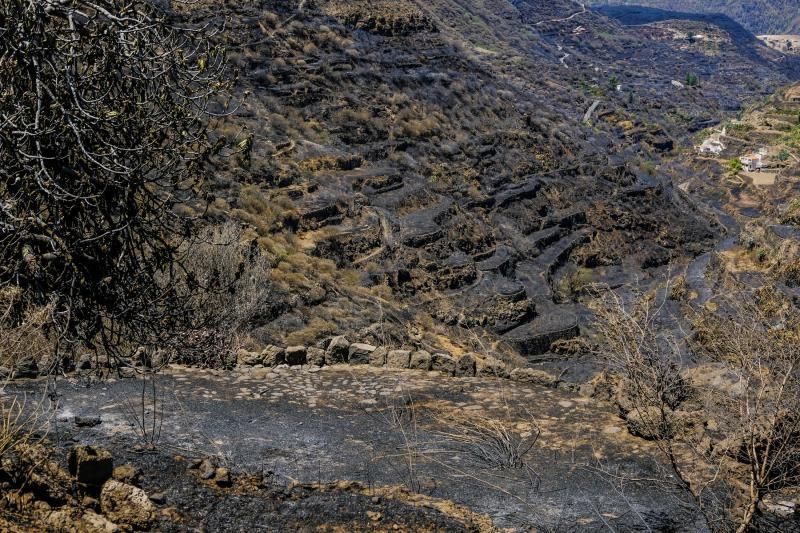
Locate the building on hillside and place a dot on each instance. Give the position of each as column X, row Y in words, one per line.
column 793, row 95
column 752, row 162
column 711, row 146
column 714, row 144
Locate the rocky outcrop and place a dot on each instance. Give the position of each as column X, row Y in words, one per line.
column 127, row 505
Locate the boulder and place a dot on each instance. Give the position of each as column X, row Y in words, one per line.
column 273, row 356
column 87, row 421
column 465, row 366
column 420, row 360
column 534, row 375
column 338, row 350
column 247, row 358
column 315, row 356
column 398, row 358
column 66, row 520
column 296, row 355
column 492, row 367
column 222, row 477
column 442, row 362
column 359, row 353
column 127, row 505
column 91, row 465
column 128, row 473
column 378, row 357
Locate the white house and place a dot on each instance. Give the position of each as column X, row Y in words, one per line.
column 711, row 146
column 752, row 162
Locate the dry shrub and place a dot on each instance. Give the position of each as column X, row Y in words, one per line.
column 493, row 442
column 22, row 329
column 751, row 441
column 235, row 276
column 316, row 329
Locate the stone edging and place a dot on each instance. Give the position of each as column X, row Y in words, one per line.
column 339, row 350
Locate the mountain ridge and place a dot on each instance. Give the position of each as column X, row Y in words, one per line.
column 758, row 16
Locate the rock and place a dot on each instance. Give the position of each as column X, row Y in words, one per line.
column 442, row 362
column 534, row 375
column 91, row 465
column 378, row 357
column 128, row 473
column 465, row 366
column 98, row 523
column 420, row 360
column 89, row 502
column 126, row 504
column 398, row 358
column 26, row 368
column 492, row 367
column 359, row 353
column 5, row 372
column 246, row 358
column 159, row 498
column 222, row 477
column 87, row 421
column 296, row 355
column 273, row 356
column 65, row 519
column 207, row 470
column 338, row 350
column 315, row 356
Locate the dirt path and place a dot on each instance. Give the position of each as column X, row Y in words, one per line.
column 382, row 427
column 581, row 12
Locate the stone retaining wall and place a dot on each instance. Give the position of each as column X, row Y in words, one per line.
column 339, row 350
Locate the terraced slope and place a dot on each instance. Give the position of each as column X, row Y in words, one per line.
column 426, row 172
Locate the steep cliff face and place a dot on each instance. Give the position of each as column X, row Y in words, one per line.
column 464, row 169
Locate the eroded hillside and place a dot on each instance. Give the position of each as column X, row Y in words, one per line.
column 453, row 174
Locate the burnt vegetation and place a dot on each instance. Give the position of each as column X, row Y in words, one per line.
column 105, row 110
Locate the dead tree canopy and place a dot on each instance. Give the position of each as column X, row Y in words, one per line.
column 102, row 132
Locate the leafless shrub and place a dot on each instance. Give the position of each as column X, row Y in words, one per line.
column 234, row 275
column 103, row 109
column 751, row 438
column 21, row 423
column 146, row 411
column 759, row 341
column 22, row 329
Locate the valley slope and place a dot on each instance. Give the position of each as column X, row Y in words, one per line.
column 454, row 174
